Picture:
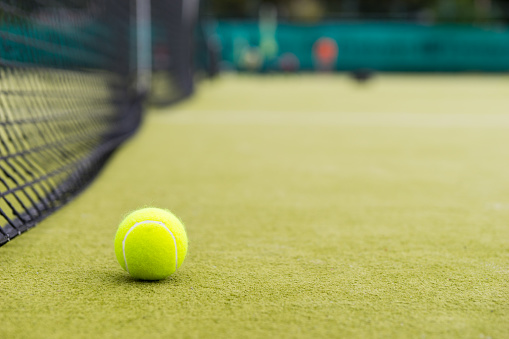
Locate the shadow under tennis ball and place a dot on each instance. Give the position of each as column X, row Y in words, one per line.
column 121, row 278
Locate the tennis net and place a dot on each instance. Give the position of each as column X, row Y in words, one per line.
column 74, row 77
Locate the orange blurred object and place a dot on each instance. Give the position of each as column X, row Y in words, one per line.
column 326, row 52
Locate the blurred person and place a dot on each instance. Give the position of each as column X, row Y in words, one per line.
column 325, row 53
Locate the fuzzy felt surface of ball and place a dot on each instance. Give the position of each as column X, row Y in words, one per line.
column 151, row 243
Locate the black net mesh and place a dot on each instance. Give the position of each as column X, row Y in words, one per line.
column 171, row 77
column 69, row 95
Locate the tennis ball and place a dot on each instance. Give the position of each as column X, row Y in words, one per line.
column 150, row 244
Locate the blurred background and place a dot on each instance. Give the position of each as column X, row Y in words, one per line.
column 360, row 35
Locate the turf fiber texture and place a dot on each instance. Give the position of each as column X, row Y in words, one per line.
column 315, row 207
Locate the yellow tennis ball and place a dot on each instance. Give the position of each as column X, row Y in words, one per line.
column 151, row 244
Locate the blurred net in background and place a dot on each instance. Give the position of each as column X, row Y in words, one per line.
column 73, row 78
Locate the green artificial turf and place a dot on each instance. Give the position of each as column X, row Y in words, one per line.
column 315, row 207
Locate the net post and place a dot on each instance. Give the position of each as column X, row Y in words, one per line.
column 143, row 46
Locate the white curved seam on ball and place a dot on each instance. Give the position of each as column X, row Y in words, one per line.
column 146, row 222
column 176, row 249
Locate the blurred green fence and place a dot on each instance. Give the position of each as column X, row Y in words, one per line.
column 381, row 46
column 42, row 45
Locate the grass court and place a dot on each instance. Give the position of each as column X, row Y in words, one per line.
column 316, row 207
